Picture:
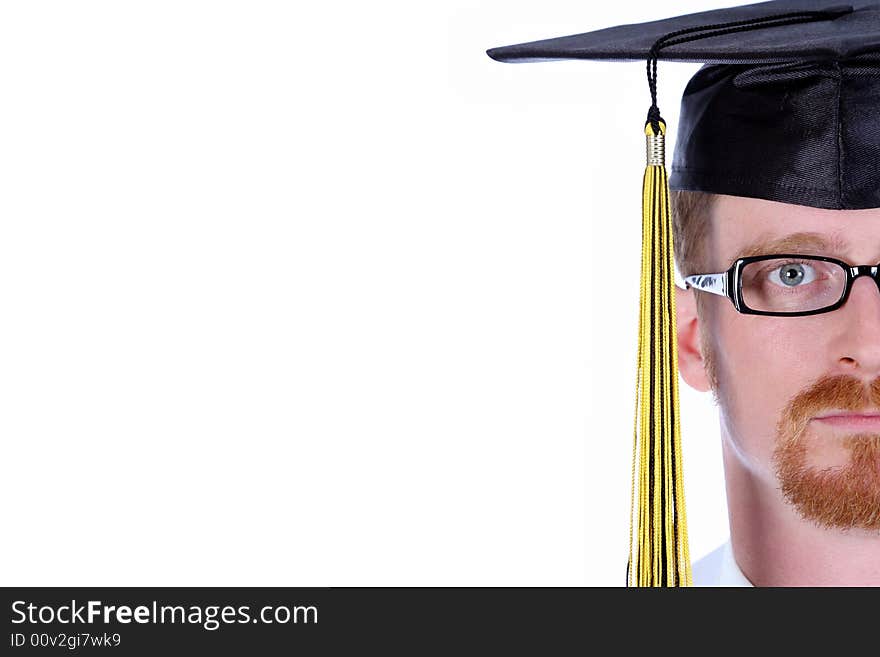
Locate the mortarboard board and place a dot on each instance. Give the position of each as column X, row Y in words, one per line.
column 784, row 109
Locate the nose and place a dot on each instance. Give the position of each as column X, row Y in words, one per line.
column 856, row 338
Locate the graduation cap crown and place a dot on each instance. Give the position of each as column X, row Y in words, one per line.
column 784, row 109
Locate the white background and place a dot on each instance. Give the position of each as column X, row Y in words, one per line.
column 319, row 294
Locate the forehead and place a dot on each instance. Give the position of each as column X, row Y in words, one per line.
column 748, row 226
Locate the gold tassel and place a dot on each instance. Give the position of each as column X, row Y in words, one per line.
column 659, row 555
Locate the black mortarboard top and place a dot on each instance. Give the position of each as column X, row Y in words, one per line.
column 785, row 109
column 785, row 113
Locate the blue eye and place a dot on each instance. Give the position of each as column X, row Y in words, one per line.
column 793, row 274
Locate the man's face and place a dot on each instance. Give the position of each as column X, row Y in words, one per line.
column 780, row 378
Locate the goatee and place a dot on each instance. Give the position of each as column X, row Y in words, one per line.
column 844, row 496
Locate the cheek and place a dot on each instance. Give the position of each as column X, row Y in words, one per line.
column 761, row 365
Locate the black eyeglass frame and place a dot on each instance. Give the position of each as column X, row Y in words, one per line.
column 729, row 283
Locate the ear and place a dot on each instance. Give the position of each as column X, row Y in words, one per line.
column 690, row 359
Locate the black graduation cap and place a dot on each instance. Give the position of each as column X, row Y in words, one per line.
column 786, row 108
column 782, row 111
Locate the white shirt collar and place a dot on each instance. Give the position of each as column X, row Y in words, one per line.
column 719, row 568
column 730, row 573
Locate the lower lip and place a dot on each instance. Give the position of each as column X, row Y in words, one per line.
column 852, row 421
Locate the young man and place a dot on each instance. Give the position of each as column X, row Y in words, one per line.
column 798, row 396
column 775, row 220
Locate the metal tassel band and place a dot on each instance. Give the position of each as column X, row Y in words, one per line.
column 659, row 554
column 656, row 148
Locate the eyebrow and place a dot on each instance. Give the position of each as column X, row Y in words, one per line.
column 806, row 243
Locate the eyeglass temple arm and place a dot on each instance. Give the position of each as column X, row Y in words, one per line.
column 714, row 283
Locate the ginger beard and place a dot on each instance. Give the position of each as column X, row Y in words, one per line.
column 832, row 477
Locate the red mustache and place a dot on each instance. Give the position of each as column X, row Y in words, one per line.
column 829, row 393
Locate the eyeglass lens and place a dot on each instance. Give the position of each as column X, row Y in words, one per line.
column 792, row 284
